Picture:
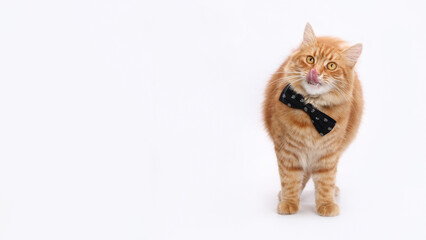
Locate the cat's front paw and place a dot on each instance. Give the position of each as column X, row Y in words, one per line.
column 328, row 209
column 286, row 208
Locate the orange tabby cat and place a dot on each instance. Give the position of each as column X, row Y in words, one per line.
column 301, row 151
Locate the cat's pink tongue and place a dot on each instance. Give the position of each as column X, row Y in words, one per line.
column 312, row 76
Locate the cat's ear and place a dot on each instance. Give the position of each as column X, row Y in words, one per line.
column 352, row 53
column 309, row 35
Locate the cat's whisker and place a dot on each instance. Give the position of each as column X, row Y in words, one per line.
column 287, row 78
column 341, row 92
column 286, row 72
column 341, row 82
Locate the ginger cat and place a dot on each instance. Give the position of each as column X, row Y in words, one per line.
column 322, row 71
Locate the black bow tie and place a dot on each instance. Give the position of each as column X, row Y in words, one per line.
column 322, row 122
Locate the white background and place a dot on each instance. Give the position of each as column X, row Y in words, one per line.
column 142, row 120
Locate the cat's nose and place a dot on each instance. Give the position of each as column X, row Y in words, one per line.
column 313, row 76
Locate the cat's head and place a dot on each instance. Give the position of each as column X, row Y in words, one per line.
column 322, row 68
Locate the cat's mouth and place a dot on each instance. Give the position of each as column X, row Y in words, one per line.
column 317, row 84
column 314, row 85
column 315, row 88
column 312, row 78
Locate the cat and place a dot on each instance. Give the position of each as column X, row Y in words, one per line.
column 322, row 70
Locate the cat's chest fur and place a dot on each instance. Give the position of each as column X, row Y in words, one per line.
column 301, row 137
column 312, row 151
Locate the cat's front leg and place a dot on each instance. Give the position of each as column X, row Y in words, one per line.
column 291, row 175
column 325, row 190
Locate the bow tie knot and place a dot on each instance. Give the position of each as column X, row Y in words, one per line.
column 321, row 121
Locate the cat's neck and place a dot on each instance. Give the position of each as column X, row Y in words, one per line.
column 328, row 100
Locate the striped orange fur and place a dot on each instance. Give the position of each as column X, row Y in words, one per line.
column 301, row 152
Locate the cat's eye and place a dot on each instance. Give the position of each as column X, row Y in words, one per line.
column 331, row 66
column 310, row 59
